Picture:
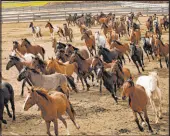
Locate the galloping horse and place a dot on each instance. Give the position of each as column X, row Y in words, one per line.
column 136, row 16
column 161, row 49
column 164, row 21
column 56, row 29
column 34, row 49
column 124, row 48
column 52, row 107
column 90, row 42
column 36, row 30
column 106, row 29
column 119, row 28
column 68, row 32
column 57, row 45
column 135, row 36
column 111, row 37
column 137, row 101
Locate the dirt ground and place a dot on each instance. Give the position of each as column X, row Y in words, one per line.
column 96, row 114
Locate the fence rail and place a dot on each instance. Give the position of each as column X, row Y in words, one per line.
column 61, row 15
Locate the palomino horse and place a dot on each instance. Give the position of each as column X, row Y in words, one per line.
column 54, row 65
column 49, row 82
column 68, row 32
column 52, row 107
column 151, row 85
column 137, row 56
column 6, row 94
column 56, row 29
column 36, row 30
column 124, row 48
column 34, row 49
column 138, row 101
column 90, row 42
column 161, row 49
column 135, row 36
column 69, row 50
column 106, row 29
column 83, row 68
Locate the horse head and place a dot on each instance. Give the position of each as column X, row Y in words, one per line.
column 31, row 24
column 127, row 88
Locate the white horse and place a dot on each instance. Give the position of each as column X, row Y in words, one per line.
column 100, row 40
column 36, row 31
column 151, row 85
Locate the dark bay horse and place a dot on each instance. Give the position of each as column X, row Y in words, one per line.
column 57, row 45
column 6, row 94
column 136, row 54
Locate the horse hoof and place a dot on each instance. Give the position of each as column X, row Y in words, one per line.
column 10, row 115
column 141, row 129
column 160, row 117
column 4, row 121
column 13, row 117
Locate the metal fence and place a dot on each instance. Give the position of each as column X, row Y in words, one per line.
column 53, row 14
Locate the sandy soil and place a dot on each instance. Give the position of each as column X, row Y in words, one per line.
column 96, row 114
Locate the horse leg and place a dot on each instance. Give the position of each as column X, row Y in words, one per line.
column 92, row 75
column 12, row 106
column 134, row 61
column 88, row 86
column 147, row 120
column 128, row 56
column 152, row 57
column 65, row 124
column 9, row 114
column 56, row 126
column 137, row 122
column 160, row 102
column 166, row 61
column 147, row 54
column 123, row 58
column 160, row 62
column 68, row 110
column 154, row 108
column 48, row 127
column 140, row 63
column 23, row 84
column 100, row 85
column 143, row 122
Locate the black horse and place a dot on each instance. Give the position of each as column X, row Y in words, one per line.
column 147, row 47
column 137, row 56
column 6, row 94
column 109, row 56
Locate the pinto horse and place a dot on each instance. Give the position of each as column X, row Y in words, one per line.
column 34, row 49
column 52, row 107
column 36, row 30
column 90, row 42
column 138, row 101
column 56, row 29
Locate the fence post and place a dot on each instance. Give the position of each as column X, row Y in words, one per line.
column 18, row 18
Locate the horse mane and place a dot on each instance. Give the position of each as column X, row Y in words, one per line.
column 41, row 62
column 80, row 56
column 107, row 50
column 62, row 44
column 75, row 48
column 33, row 70
column 50, row 25
column 42, row 92
column 27, row 41
column 117, row 42
column 15, row 57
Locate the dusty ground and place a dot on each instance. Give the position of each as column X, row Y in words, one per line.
column 96, row 114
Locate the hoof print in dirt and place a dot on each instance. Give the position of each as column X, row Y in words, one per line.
column 124, row 130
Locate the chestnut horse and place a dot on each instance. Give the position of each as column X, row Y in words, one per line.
column 52, row 107
column 124, row 48
column 90, row 42
column 106, row 29
column 135, row 36
column 138, row 101
column 111, row 37
column 161, row 49
column 34, row 49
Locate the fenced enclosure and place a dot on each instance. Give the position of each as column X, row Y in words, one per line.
column 59, row 12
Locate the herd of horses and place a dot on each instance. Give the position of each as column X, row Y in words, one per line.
column 105, row 66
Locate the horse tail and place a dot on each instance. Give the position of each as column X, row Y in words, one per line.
column 71, row 82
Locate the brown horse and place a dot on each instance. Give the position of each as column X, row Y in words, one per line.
column 164, row 22
column 119, row 28
column 157, row 30
column 83, row 29
column 135, row 36
column 137, row 101
column 161, row 49
column 90, row 42
column 111, row 37
column 106, row 29
column 56, row 29
column 124, row 48
column 52, row 107
column 63, row 68
column 19, row 48
column 68, row 32
column 69, row 50
column 136, row 16
column 104, row 20
column 34, row 49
